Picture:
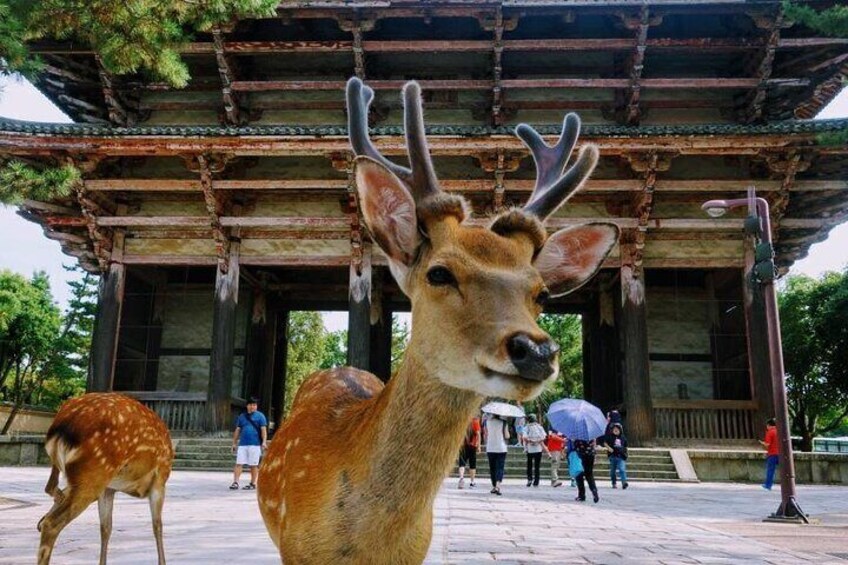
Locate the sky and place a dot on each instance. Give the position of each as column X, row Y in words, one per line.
column 30, row 251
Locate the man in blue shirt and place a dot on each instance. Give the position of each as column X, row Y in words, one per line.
column 249, row 439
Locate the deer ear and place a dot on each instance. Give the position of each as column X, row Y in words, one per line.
column 389, row 211
column 572, row 256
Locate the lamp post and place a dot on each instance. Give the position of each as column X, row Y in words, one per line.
column 758, row 223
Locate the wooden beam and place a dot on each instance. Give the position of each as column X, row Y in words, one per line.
column 162, row 145
column 476, row 46
column 823, row 93
column 215, row 208
column 632, row 114
column 472, row 84
column 118, row 115
column 753, row 111
column 497, row 68
column 226, row 71
column 462, row 185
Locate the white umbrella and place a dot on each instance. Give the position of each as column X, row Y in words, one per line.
column 504, row 409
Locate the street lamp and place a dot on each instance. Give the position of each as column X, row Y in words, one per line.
column 758, row 224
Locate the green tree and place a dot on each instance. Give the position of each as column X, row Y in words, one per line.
column 400, row 339
column 128, row 37
column 335, row 350
column 19, row 181
column 813, row 315
column 306, row 350
column 66, row 373
column 567, row 331
column 29, row 333
column 832, row 21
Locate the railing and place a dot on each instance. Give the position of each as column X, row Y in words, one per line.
column 830, row 445
column 181, row 411
column 705, row 419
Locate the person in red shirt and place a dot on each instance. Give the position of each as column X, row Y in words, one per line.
column 772, row 446
column 468, row 453
column 556, row 446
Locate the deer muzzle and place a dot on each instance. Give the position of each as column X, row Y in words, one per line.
column 534, row 360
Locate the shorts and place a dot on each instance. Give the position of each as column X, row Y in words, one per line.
column 468, row 457
column 248, row 455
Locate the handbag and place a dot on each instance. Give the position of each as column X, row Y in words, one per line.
column 575, row 465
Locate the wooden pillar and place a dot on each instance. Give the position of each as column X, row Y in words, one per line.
column 269, row 356
column 359, row 310
column 219, row 400
column 154, row 333
column 255, row 350
column 278, row 385
column 604, row 384
column 634, row 341
column 104, row 339
column 759, row 364
column 381, row 330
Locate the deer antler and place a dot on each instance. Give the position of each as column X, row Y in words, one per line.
column 421, row 178
column 554, row 184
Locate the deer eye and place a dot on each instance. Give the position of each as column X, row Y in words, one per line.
column 543, row 297
column 440, row 276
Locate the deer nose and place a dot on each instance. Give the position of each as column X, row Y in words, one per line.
column 533, row 359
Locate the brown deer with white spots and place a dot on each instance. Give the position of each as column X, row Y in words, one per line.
column 352, row 474
column 103, row 443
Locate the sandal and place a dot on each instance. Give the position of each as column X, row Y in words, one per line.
column 250, row 486
column 234, row 486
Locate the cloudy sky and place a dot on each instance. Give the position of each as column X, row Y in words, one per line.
column 26, row 250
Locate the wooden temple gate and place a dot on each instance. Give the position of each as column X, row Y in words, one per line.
column 214, row 211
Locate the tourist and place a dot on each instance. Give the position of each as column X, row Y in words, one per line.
column 772, row 446
column 497, row 434
column 613, row 418
column 555, row 444
column 520, row 427
column 468, row 453
column 249, row 439
column 586, row 452
column 534, row 445
column 616, row 447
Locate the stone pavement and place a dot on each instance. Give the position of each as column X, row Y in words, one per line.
column 648, row 523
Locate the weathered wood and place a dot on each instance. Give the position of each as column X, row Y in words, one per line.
column 227, row 73
column 155, row 324
column 475, row 84
column 453, row 185
column 270, row 354
column 634, row 346
column 256, row 353
column 104, row 339
column 219, row 404
column 278, row 385
column 380, row 356
column 359, row 311
column 170, row 145
column 605, row 387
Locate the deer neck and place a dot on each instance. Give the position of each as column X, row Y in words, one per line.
column 421, row 425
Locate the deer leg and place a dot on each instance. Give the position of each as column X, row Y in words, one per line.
column 51, row 525
column 104, row 506
column 157, row 499
column 53, row 483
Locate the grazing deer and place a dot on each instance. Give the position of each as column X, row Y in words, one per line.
column 103, row 443
column 352, row 474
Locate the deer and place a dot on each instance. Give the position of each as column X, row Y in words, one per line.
column 103, row 443
column 352, row 474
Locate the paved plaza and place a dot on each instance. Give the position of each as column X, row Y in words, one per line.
column 650, row 523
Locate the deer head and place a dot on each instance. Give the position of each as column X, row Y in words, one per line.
column 476, row 291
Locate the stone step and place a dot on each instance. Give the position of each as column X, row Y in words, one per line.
column 203, row 464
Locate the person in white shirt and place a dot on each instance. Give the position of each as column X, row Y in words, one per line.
column 496, row 434
column 534, row 445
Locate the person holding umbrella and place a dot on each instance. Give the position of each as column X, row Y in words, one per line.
column 581, row 422
column 496, row 435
